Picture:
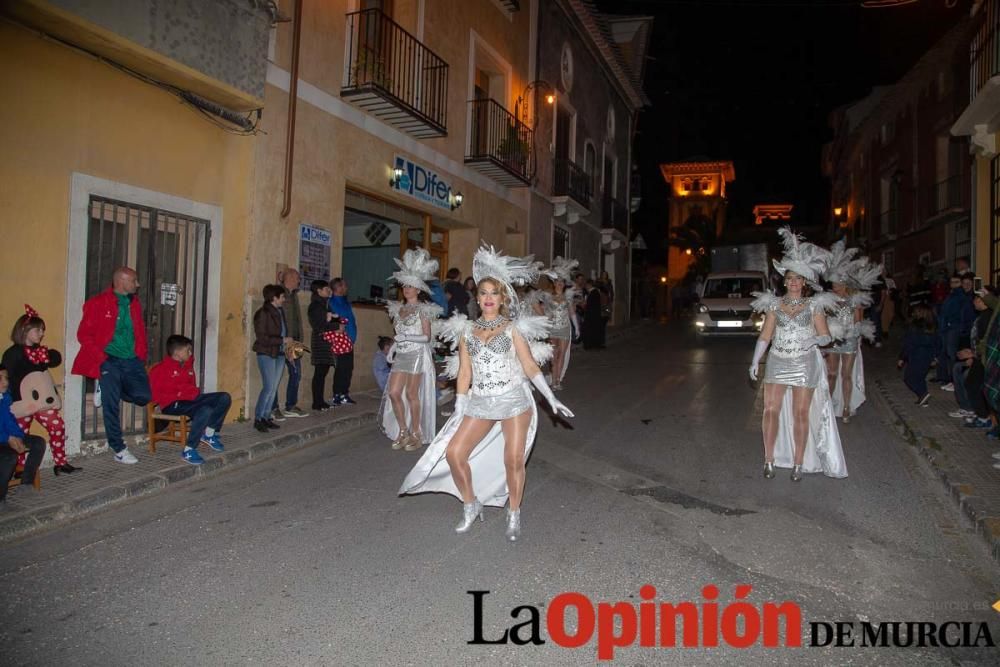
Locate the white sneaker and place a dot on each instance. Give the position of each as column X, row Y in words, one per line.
column 961, row 414
column 948, row 387
column 996, row 455
column 97, row 393
column 125, row 456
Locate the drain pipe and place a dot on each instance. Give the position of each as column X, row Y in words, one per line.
column 293, row 96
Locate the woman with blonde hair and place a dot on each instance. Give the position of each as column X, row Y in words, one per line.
column 479, row 455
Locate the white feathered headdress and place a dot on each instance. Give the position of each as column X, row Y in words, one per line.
column 801, row 257
column 562, row 269
column 510, row 271
column 840, row 262
column 416, row 267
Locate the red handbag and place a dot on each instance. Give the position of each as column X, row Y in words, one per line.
column 339, row 341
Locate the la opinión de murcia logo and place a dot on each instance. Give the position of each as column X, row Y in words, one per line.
column 706, row 624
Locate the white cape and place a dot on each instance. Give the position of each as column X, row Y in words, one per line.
column 823, row 449
column 489, row 475
column 428, row 402
column 857, row 387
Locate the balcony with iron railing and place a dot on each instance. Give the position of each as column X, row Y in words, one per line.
column 500, row 145
column 390, row 74
column 946, row 197
column 615, row 215
column 983, row 111
column 570, row 180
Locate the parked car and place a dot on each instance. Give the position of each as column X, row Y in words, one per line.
column 724, row 304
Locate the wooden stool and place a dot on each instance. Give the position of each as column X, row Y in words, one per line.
column 176, row 430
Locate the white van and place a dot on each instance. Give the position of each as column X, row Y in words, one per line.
column 724, row 308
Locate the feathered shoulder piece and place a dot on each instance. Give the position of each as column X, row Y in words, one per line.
column 430, row 310
column 535, row 330
column 765, row 302
column 866, row 330
column 393, row 307
column 415, row 269
column 453, row 329
column 825, row 302
column 570, row 293
column 860, row 300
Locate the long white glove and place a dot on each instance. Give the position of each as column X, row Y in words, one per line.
column 758, row 354
column 818, row 341
column 543, row 388
column 411, row 338
column 461, row 400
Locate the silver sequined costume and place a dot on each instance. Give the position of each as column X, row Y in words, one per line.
column 844, row 314
column 791, row 360
column 498, row 381
column 409, row 356
column 558, row 312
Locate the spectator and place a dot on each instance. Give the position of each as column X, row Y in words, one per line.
column 972, row 404
column 593, row 322
column 954, row 324
column 921, row 345
column 472, row 309
column 321, row 321
column 455, row 293
column 113, row 349
column 341, row 307
column 962, row 266
column 290, row 280
column 438, row 295
column 940, row 289
column 380, row 363
column 176, row 391
column 271, row 337
column 14, row 442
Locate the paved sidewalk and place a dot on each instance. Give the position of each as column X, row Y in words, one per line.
column 103, row 482
column 960, row 456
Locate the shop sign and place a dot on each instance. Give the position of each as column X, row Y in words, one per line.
column 421, row 183
column 314, row 253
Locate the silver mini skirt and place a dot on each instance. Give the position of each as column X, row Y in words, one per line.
column 408, row 362
column 848, row 346
column 503, row 406
column 802, row 371
column 563, row 333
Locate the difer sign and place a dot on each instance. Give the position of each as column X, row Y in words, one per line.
column 421, row 183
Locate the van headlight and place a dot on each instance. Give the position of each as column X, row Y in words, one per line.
column 702, row 308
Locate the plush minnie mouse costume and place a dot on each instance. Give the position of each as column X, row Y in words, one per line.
column 34, row 394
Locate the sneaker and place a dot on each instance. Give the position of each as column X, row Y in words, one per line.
column 213, row 441
column 97, row 393
column 961, row 414
column 978, row 423
column 192, row 456
column 948, row 387
column 125, row 456
column 340, row 399
column 277, row 415
column 924, row 400
column 269, row 423
column 295, row 411
column 348, row 399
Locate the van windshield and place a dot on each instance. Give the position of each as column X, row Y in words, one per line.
column 732, row 288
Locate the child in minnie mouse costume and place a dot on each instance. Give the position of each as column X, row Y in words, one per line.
column 32, row 389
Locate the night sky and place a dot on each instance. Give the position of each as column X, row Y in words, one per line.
column 754, row 80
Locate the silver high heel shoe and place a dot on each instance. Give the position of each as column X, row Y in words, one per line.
column 768, row 469
column 401, row 440
column 513, row 524
column 797, row 473
column 469, row 513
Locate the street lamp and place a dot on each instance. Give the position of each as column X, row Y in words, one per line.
column 397, row 174
column 550, row 98
column 456, row 200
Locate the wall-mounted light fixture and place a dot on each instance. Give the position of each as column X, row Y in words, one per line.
column 840, row 215
column 688, row 251
column 397, row 174
column 456, row 200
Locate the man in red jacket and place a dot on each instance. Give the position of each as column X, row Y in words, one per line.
column 113, row 350
column 176, row 392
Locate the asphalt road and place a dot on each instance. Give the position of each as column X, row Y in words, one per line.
column 311, row 559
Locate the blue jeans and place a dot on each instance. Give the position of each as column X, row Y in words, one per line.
column 121, row 380
column 206, row 411
column 294, row 368
column 270, row 374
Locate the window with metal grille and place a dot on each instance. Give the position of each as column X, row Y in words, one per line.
column 560, row 242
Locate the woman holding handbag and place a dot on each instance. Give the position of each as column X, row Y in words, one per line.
column 321, row 320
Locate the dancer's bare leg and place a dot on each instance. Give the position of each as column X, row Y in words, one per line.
column 832, row 367
column 847, row 379
column 515, row 436
column 801, row 400
column 397, row 387
column 470, row 432
column 413, row 382
column 558, row 359
column 774, row 394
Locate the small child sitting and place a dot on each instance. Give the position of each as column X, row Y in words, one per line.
column 14, row 442
column 175, row 390
column 380, row 364
column 921, row 346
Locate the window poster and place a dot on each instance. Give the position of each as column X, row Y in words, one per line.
column 314, row 253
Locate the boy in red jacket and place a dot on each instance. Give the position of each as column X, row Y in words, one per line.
column 176, row 392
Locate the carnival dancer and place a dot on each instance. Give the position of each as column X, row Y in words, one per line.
column 408, row 415
column 850, row 279
column 480, row 453
column 799, row 428
column 558, row 306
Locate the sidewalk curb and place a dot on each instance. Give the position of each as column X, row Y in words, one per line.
column 985, row 520
column 23, row 524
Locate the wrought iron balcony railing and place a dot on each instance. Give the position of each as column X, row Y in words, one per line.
column 615, row 215
column 501, row 146
column 570, row 180
column 392, row 75
column 944, row 196
column 984, row 53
